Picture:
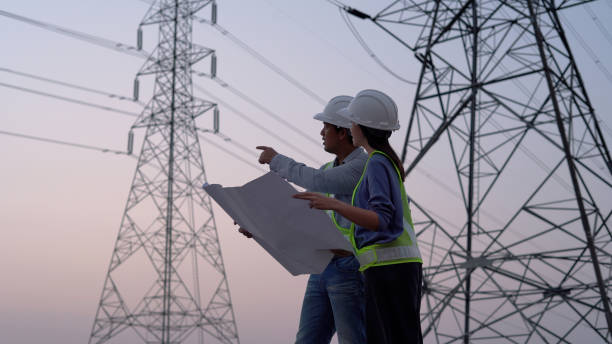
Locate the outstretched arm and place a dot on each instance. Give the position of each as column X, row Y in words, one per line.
column 338, row 180
column 362, row 217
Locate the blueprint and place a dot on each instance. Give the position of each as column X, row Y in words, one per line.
column 298, row 237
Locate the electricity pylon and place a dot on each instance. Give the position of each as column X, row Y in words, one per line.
column 501, row 108
column 166, row 282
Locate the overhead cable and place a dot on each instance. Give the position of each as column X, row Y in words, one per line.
column 105, row 43
column 62, row 83
column 605, row 125
column 337, row 3
column 265, row 110
column 65, row 143
column 588, row 49
column 232, row 154
column 598, row 23
column 71, row 100
column 330, row 44
column 369, row 51
column 259, row 126
column 264, row 61
column 229, row 140
column 237, row 144
column 142, row 54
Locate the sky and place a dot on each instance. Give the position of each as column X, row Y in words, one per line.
column 61, row 206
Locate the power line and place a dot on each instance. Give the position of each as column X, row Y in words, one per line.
column 228, row 139
column 125, row 48
column 133, row 51
column 237, row 144
column 259, row 126
column 264, row 61
column 78, row 87
column 327, row 42
column 113, row 45
column 370, row 52
column 65, row 143
column 261, row 107
column 588, row 49
column 598, row 23
column 225, row 150
column 365, row 46
column 108, row 150
column 102, row 42
column 337, row 3
column 605, row 125
column 71, row 100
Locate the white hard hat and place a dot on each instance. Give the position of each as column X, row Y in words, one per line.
column 330, row 113
column 372, row 109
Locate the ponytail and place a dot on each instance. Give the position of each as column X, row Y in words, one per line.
column 379, row 140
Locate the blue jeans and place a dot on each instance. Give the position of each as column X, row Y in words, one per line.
column 334, row 301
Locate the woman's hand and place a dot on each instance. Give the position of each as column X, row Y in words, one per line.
column 318, row 201
column 363, row 217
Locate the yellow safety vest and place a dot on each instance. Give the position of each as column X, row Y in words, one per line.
column 401, row 250
column 345, row 231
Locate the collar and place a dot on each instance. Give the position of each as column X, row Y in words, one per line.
column 353, row 155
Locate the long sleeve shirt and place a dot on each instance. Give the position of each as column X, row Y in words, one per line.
column 380, row 192
column 339, row 180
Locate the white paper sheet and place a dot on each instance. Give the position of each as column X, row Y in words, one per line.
column 298, row 237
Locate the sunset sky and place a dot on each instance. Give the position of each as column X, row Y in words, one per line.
column 61, row 206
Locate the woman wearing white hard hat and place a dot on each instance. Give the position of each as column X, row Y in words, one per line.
column 382, row 233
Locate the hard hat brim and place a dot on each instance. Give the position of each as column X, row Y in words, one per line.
column 346, row 113
column 328, row 119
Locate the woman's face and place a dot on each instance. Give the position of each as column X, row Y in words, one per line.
column 359, row 139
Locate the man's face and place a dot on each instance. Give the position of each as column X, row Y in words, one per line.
column 331, row 139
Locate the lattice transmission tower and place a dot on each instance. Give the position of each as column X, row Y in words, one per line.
column 166, row 282
column 523, row 251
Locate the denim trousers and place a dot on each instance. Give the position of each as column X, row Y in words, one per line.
column 334, row 301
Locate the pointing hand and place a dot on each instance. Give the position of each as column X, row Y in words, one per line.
column 267, row 154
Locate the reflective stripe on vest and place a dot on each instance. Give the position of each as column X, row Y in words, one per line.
column 401, row 250
column 345, row 231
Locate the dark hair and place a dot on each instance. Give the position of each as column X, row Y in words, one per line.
column 379, row 140
column 348, row 133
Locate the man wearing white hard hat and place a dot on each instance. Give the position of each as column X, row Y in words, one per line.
column 382, row 233
column 334, row 300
